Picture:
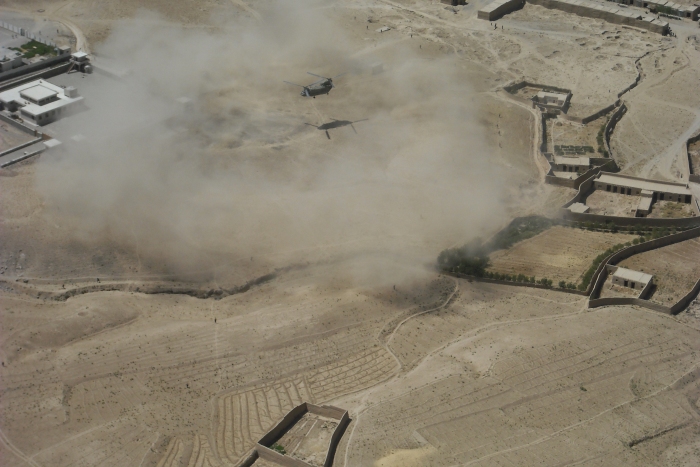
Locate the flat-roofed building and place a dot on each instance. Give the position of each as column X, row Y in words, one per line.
column 552, row 100
column 10, row 59
column 40, row 101
column 633, row 279
column 634, row 186
column 579, row 208
column 498, row 8
column 571, row 164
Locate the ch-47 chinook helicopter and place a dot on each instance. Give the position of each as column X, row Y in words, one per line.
column 322, row 86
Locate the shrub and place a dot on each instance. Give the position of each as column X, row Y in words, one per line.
column 562, row 284
column 279, row 448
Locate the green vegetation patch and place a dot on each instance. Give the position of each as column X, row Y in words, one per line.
column 472, row 258
column 279, row 448
column 33, row 48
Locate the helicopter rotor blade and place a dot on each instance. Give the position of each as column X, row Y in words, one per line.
column 317, row 76
column 338, row 76
column 328, row 134
column 294, row 84
column 363, row 120
column 311, row 124
column 353, row 128
column 306, row 90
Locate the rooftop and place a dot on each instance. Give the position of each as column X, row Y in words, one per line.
column 38, row 92
column 634, row 276
column 579, row 207
column 561, row 160
column 644, row 184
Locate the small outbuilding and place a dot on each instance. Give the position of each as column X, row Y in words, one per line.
column 633, row 279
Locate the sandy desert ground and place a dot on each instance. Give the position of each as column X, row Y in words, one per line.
column 177, row 280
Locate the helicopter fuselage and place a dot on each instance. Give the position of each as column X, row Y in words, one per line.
column 317, row 89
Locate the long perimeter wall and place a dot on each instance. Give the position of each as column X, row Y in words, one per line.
column 611, row 14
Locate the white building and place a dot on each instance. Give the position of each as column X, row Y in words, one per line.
column 9, row 59
column 40, row 101
column 633, row 279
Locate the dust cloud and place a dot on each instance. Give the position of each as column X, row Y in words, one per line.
column 199, row 158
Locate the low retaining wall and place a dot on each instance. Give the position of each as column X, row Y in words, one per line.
column 20, row 146
column 24, row 157
column 513, row 283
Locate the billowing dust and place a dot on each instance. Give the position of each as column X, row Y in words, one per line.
column 200, row 150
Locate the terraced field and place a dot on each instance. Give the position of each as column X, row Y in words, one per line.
column 560, row 391
column 559, row 253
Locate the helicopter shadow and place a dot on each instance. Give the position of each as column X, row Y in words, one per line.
column 336, row 124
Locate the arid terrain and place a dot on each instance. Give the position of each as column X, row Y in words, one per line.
column 196, row 259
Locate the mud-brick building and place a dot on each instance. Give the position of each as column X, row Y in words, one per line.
column 634, row 186
column 633, row 279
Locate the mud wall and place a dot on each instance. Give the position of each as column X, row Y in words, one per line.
column 628, row 301
column 609, row 14
column 685, row 301
column 277, row 458
column 610, row 126
column 633, row 250
column 513, row 283
column 693, row 172
column 576, row 182
column 586, row 186
column 264, row 451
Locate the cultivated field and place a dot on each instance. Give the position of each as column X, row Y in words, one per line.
column 676, row 268
column 559, row 253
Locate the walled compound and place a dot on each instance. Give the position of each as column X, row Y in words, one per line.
column 584, row 8
column 294, row 441
column 40, row 101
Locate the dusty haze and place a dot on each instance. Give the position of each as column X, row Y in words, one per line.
column 236, row 177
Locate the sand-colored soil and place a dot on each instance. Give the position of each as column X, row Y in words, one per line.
column 435, row 371
column 562, row 132
column 694, row 154
column 11, row 137
column 676, row 268
column 612, row 204
column 560, row 253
